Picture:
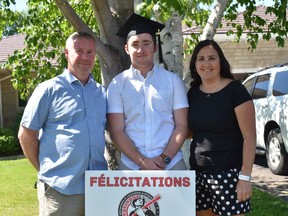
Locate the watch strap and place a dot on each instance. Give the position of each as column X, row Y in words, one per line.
column 244, row 177
column 163, row 156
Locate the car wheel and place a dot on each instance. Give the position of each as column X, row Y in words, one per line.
column 277, row 157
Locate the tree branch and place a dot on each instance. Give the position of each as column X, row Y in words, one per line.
column 104, row 19
column 214, row 19
column 108, row 22
column 70, row 14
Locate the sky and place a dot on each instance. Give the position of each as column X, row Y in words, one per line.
column 262, row 2
column 21, row 4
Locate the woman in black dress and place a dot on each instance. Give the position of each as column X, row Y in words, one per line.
column 222, row 123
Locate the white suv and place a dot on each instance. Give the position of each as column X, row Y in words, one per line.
column 269, row 90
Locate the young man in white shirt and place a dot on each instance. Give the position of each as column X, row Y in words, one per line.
column 147, row 105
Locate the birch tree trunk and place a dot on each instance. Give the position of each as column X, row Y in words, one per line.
column 214, row 19
column 172, row 45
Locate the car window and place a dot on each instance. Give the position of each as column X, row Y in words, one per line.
column 249, row 84
column 280, row 86
column 261, row 87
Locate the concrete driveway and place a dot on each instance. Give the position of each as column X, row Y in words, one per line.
column 265, row 180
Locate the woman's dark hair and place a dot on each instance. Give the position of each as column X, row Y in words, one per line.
column 225, row 69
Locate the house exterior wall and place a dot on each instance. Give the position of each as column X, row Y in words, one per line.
column 266, row 54
column 9, row 102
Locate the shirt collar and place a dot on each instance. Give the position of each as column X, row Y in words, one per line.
column 71, row 79
column 137, row 73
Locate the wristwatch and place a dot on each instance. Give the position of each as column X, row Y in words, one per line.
column 165, row 158
column 244, row 177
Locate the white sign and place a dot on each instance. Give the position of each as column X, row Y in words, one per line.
column 142, row 193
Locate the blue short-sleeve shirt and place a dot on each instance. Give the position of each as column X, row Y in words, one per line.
column 71, row 118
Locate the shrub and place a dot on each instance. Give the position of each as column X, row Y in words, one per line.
column 8, row 142
column 15, row 126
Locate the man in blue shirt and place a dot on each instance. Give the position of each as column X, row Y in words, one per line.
column 62, row 130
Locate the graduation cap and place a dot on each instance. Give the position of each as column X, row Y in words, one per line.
column 137, row 24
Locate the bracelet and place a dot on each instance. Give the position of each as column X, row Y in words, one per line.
column 244, row 177
column 141, row 161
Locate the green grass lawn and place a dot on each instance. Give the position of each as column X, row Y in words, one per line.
column 17, row 193
column 18, row 197
column 263, row 204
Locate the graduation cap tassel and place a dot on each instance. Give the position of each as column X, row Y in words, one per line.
column 161, row 61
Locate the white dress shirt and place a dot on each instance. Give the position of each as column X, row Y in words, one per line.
column 148, row 105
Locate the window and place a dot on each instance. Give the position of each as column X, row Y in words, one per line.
column 261, row 87
column 249, row 84
column 280, row 86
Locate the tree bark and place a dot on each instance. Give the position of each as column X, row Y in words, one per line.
column 172, row 45
column 214, row 19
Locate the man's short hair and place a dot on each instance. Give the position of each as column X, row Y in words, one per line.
column 76, row 35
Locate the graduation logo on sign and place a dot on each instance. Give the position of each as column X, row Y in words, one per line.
column 139, row 203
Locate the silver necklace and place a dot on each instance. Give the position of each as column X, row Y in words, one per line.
column 217, row 87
